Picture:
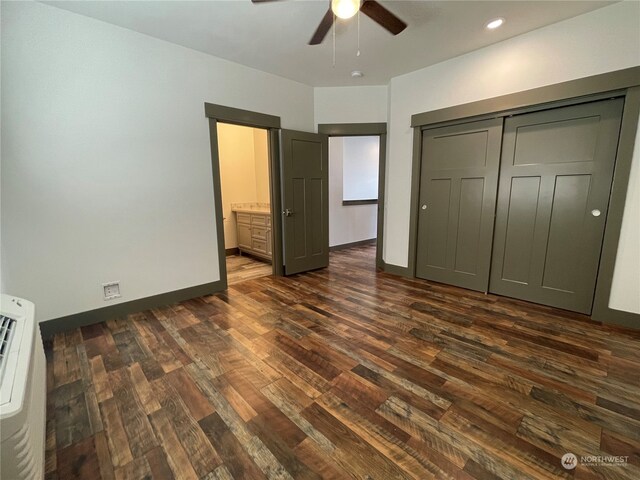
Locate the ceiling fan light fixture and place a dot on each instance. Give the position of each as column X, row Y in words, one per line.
column 345, row 8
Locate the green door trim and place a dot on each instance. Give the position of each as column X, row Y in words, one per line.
column 217, row 201
column 236, row 116
column 601, row 310
column 352, row 129
column 367, row 129
column 625, row 83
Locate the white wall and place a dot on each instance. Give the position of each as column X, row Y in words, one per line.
column 625, row 289
column 364, row 104
column 2, row 287
column 261, row 154
column 239, row 172
column 601, row 41
column 360, row 167
column 350, row 104
column 350, row 223
column 106, row 167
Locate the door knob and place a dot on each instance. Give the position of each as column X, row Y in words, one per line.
column 424, row 206
column 287, row 212
column 595, row 212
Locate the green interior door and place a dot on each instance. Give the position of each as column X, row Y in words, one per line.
column 305, row 191
column 555, row 180
column 458, row 184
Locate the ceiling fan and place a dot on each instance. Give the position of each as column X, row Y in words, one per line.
column 347, row 9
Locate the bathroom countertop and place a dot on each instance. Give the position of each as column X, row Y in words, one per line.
column 261, row 208
column 263, row 211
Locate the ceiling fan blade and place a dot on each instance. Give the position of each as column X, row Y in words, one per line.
column 323, row 28
column 382, row 16
column 262, row 1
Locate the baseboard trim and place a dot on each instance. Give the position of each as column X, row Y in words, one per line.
column 370, row 241
column 396, row 270
column 50, row 327
column 610, row 316
column 232, row 251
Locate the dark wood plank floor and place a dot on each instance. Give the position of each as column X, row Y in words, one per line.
column 242, row 267
column 343, row 373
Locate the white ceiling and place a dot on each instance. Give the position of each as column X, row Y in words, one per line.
column 273, row 36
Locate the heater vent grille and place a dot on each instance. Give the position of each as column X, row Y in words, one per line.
column 7, row 327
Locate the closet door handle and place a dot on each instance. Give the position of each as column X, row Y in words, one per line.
column 287, row 212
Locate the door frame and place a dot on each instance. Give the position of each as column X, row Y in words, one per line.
column 246, row 118
column 367, row 130
column 621, row 83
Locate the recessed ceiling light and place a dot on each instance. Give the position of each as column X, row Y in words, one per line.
column 495, row 23
column 357, row 74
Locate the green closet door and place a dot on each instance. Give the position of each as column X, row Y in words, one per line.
column 555, row 179
column 458, row 184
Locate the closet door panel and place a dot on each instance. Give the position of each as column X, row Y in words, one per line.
column 555, row 179
column 520, row 227
column 439, row 200
column 469, row 225
column 458, row 183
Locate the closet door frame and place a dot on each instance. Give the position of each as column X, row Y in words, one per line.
column 622, row 83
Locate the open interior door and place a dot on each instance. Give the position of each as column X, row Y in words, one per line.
column 305, row 207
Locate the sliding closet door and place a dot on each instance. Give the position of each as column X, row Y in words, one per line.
column 555, row 179
column 458, row 184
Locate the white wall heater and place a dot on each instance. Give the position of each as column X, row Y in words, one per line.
column 22, row 392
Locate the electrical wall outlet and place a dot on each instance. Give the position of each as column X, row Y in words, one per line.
column 111, row 290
